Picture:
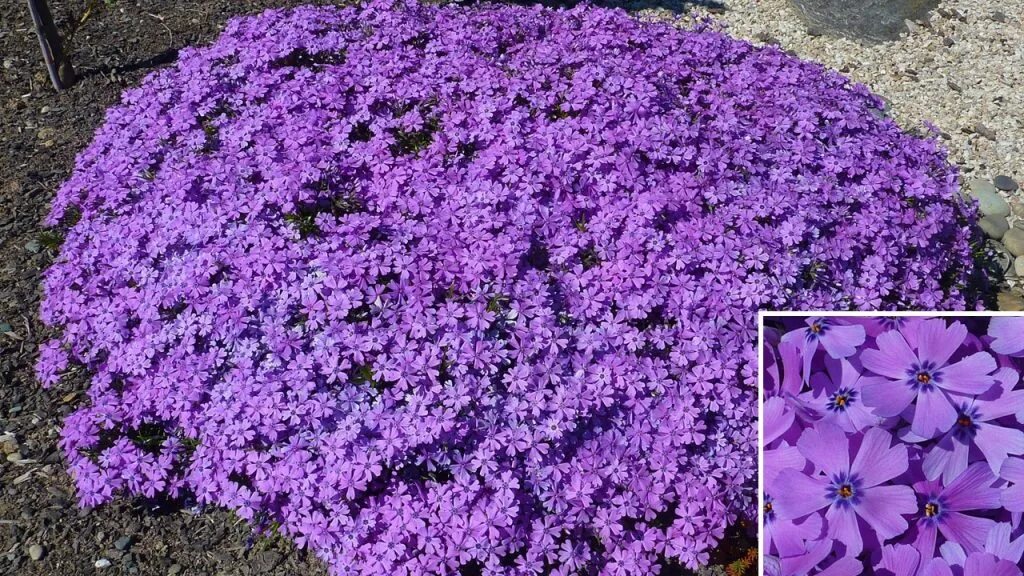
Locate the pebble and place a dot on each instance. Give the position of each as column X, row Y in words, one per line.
column 1010, row 302
column 174, row 570
column 984, row 131
column 1014, row 241
column 33, row 246
column 1005, row 183
column 36, row 552
column 992, row 204
column 102, row 563
column 999, row 16
column 123, row 543
column 14, row 457
column 1018, row 266
column 994, row 226
column 989, row 201
column 979, row 185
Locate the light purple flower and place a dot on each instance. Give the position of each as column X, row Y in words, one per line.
column 925, row 375
column 849, row 490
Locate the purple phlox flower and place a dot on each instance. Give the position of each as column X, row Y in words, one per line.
column 926, row 375
column 786, row 536
column 849, row 490
column 1007, row 335
column 836, row 397
column 838, row 340
column 943, row 509
column 898, row 560
column 976, row 424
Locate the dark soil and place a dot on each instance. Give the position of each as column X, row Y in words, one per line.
column 40, row 133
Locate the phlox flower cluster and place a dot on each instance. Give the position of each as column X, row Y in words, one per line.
column 894, row 446
column 442, row 289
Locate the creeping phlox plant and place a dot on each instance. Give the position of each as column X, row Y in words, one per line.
column 437, row 289
column 894, row 444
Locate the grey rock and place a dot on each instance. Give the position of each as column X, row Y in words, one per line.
column 954, row 86
column 174, row 570
column 1018, row 266
column 36, row 552
column 5, row 327
column 1005, row 183
column 981, row 185
column 33, row 246
column 984, row 131
column 991, row 203
column 102, row 563
column 1014, row 241
column 266, row 561
column 994, row 226
column 123, row 543
column 948, row 42
column 875, row 20
column 999, row 16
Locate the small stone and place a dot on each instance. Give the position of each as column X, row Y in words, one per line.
column 102, row 563
column 1005, row 183
column 999, row 16
column 123, row 543
column 948, row 42
column 36, row 552
column 979, row 185
column 994, row 226
column 954, row 86
column 1014, row 241
column 5, row 328
column 174, row 570
column 984, row 131
column 992, row 204
column 33, row 246
column 14, row 457
column 912, row 27
column 1010, row 302
column 1018, row 266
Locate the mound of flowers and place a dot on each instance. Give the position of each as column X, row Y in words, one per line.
column 895, row 444
column 441, row 289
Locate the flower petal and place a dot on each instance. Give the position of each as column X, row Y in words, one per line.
column 827, row 447
column 877, row 460
column 972, row 490
column 996, row 442
column 971, row 375
column 887, row 398
column 937, row 342
column 841, row 341
column 933, row 414
column 892, row 358
column 883, row 508
column 967, row 531
column 842, row 525
column 802, row 494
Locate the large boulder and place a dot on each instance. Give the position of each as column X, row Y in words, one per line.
column 875, row 20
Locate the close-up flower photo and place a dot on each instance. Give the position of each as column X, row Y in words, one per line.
column 893, row 445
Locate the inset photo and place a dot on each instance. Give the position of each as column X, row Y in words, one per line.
column 892, row 444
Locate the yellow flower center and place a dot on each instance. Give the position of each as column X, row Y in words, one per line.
column 931, row 509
